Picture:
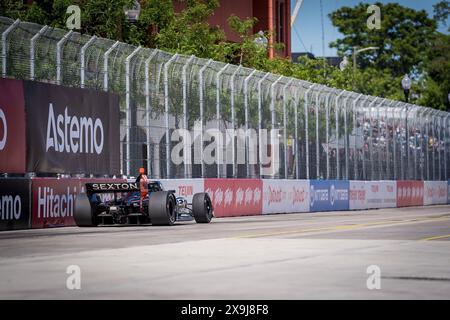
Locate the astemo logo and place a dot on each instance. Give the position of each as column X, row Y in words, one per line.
column 4, row 124
column 74, row 135
column 10, row 207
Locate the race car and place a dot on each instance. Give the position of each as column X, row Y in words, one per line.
column 121, row 204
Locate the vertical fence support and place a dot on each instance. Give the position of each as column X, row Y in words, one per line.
column 32, row 50
column 285, row 127
column 386, row 133
column 82, row 60
column 233, row 120
column 446, row 145
column 58, row 55
column 416, row 117
column 378, row 141
column 202, row 104
column 105, row 65
column 4, row 51
column 128, row 107
column 355, row 128
column 246, row 120
column 372, row 165
column 316, row 110
column 327, row 131
column 440, row 146
column 148, row 109
column 260, row 123
column 306, row 131
column 219, row 147
column 297, row 153
column 346, row 137
column 166, row 111
column 186, row 153
column 273, row 120
column 336, row 114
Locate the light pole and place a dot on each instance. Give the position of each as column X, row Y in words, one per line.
column 406, row 84
column 358, row 51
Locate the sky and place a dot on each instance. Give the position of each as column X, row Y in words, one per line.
column 308, row 26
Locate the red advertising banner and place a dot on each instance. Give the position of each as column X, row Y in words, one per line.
column 53, row 202
column 235, row 197
column 12, row 126
column 410, row 193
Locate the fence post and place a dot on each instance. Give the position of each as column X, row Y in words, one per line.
column 273, row 117
column 247, row 144
column 233, row 119
column 187, row 161
column 148, row 106
column 336, row 114
column 379, row 140
column 416, row 117
column 260, row 122
column 446, row 145
column 285, row 127
column 372, row 166
column 105, row 65
column 128, row 109
column 346, row 137
column 32, row 44
column 327, row 130
column 440, row 145
column 355, row 150
column 58, row 55
column 219, row 151
column 166, row 111
column 386, row 132
column 4, row 38
column 297, row 153
column 306, row 130
column 316, row 107
column 82, row 60
column 201, row 102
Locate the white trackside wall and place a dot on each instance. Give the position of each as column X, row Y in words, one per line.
column 435, row 192
column 285, row 196
column 184, row 187
column 381, row 194
column 357, row 195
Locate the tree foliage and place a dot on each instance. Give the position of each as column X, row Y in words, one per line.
column 408, row 40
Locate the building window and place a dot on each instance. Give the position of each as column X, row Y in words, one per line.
column 279, row 21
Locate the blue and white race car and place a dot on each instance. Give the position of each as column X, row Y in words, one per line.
column 123, row 203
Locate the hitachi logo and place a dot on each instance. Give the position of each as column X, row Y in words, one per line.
column 10, row 207
column 55, row 205
column 74, row 135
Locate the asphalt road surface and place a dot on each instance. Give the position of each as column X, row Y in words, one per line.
column 294, row 256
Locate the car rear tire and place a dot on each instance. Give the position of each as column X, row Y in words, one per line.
column 202, row 208
column 83, row 214
column 162, row 208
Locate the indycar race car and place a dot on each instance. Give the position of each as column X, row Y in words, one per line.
column 121, row 203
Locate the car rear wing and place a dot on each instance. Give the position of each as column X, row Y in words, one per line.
column 110, row 187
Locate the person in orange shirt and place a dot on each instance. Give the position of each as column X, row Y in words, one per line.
column 142, row 180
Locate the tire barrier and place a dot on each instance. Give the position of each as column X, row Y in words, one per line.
column 49, row 202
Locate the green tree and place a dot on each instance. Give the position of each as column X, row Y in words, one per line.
column 405, row 35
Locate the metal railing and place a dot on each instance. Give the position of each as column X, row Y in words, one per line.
column 324, row 133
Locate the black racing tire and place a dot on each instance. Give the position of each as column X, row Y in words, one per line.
column 83, row 213
column 162, row 208
column 202, row 208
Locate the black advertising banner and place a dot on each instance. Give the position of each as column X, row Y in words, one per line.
column 14, row 203
column 12, row 126
column 71, row 130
